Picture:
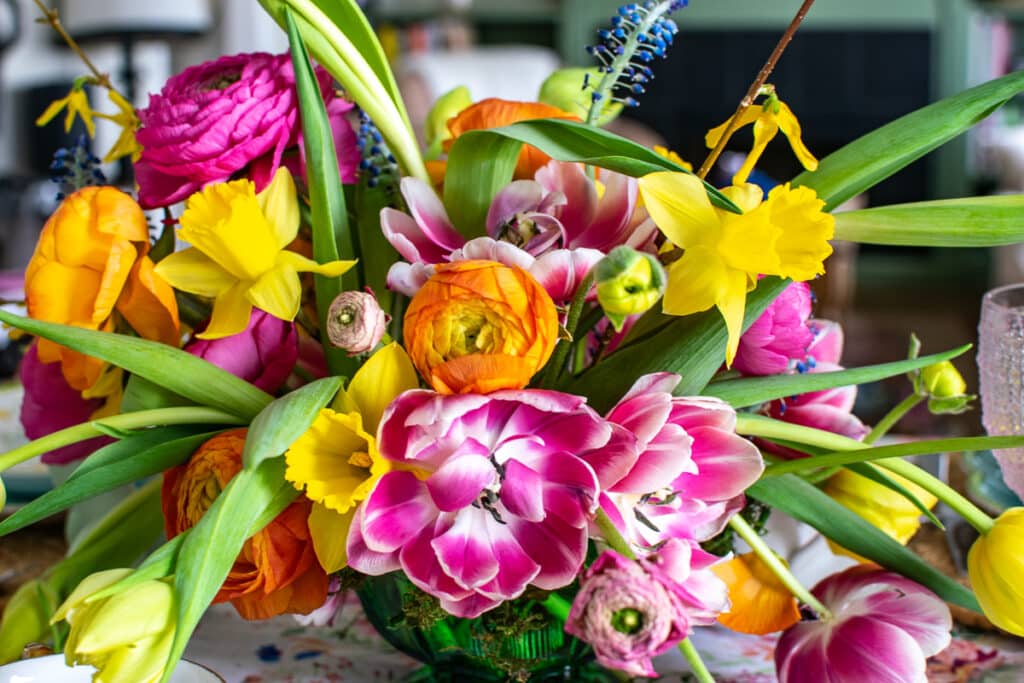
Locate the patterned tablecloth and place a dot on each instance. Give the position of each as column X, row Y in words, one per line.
column 281, row 651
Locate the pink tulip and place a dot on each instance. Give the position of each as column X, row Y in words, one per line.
column 263, row 354
column 883, row 628
column 221, row 117
column 780, row 337
column 50, row 405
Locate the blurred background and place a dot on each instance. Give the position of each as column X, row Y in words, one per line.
column 852, row 67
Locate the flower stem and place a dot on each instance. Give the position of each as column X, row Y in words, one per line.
column 892, row 417
column 557, row 606
column 696, row 663
column 938, row 488
column 51, row 17
column 125, row 421
column 777, row 566
column 755, row 88
column 612, row 537
column 557, row 362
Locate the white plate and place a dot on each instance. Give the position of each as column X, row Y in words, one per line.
column 52, row 669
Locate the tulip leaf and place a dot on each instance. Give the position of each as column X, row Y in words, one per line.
column 969, row 222
column 213, row 544
column 332, row 238
column 750, row 391
column 376, row 255
column 283, row 421
column 691, row 346
column 141, row 394
column 171, row 368
column 481, row 162
column 122, row 462
column 877, row 155
column 806, row 503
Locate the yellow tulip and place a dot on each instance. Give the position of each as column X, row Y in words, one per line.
column 336, row 460
column 996, row 567
column 126, row 636
column 238, row 255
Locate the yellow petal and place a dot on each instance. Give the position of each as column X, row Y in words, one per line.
column 680, row 207
column 329, row 531
column 747, row 196
column 732, row 302
column 806, row 230
column 748, row 242
column 748, row 116
column 765, row 128
column 304, row 265
column 51, row 111
column 78, row 103
column 278, row 291
column 133, row 614
column 791, row 129
column 385, row 375
column 694, row 282
column 280, row 205
column 193, row 271
column 231, row 312
column 93, row 583
column 143, row 662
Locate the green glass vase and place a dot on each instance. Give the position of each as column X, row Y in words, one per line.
column 466, row 651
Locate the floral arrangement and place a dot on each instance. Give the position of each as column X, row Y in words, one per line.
column 532, row 395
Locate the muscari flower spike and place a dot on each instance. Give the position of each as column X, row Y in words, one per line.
column 378, row 163
column 75, row 167
column 639, row 33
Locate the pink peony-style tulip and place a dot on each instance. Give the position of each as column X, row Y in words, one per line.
column 263, row 354
column 632, row 610
column 50, row 405
column 883, row 628
column 215, row 119
column 780, row 337
column 487, row 494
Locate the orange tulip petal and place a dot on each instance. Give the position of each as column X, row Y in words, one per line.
column 760, row 603
column 149, row 306
column 61, row 294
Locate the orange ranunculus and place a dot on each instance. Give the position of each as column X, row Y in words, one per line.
column 90, row 261
column 480, row 326
column 760, row 603
column 277, row 570
column 495, row 113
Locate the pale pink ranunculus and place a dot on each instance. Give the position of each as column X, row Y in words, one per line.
column 50, row 404
column 262, row 354
column 632, row 610
column 883, row 628
column 488, row 496
column 216, row 119
column 780, row 337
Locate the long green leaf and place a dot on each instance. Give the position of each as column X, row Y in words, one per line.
column 869, row 471
column 212, row 546
column 481, row 162
column 331, row 237
column 123, row 462
column 968, row 222
column 376, row 255
column 808, row 504
column 882, row 152
column 166, row 366
column 692, row 346
column 749, row 391
column 284, row 420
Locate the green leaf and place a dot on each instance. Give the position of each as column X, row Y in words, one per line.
column 376, row 255
column 213, row 545
column 119, row 463
column 481, row 162
column 166, row 366
column 874, row 157
column 807, row 504
column 331, row 237
column 691, row 346
column 876, row 475
column 141, row 394
column 749, row 391
column 284, row 420
column 968, row 222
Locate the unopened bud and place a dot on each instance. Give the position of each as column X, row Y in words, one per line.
column 571, row 90
column 945, row 388
column 628, row 282
column 355, row 322
column 445, row 107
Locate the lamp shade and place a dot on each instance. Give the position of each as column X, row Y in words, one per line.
column 85, row 19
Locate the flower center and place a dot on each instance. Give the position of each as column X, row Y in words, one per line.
column 628, row 621
column 221, row 81
column 471, row 332
column 519, row 230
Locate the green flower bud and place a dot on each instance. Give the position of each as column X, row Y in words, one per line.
column 628, row 282
column 436, row 126
column 565, row 89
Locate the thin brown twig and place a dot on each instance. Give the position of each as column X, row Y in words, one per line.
column 755, row 88
column 52, row 17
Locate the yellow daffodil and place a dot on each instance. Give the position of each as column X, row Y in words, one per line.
column 768, row 118
column 886, row 509
column 126, row 119
column 238, row 256
column 336, row 460
column 77, row 104
column 996, row 567
column 724, row 253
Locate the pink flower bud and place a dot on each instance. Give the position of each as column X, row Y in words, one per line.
column 355, row 322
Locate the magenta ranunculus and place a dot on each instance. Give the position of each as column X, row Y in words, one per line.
column 263, row 354
column 213, row 120
column 632, row 610
column 490, row 496
column 883, row 627
column 50, row 405
column 780, row 337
